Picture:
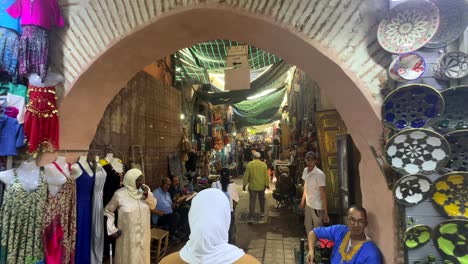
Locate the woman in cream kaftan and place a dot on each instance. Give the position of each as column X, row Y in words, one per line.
column 133, row 202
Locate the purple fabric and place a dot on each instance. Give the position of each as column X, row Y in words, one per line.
column 43, row 13
column 12, row 112
column 34, row 50
column 9, row 45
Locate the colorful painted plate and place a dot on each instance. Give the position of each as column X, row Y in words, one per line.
column 451, row 240
column 412, row 106
column 408, row 26
column 451, row 194
column 452, row 65
column 412, row 189
column 417, row 236
column 453, row 21
column 458, row 141
column 455, row 116
column 410, row 66
column 415, row 151
column 392, row 72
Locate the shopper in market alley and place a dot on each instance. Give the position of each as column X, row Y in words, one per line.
column 133, row 202
column 352, row 245
column 209, row 218
column 256, row 177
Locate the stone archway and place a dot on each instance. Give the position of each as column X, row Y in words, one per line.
column 351, row 85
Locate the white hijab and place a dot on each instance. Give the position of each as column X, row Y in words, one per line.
column 209, row 219
column 130, row 185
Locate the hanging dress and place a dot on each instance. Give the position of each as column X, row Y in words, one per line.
column 41, row 122
column 21, row 221
column 60, row 224
column 97, row 231
column 84, row 205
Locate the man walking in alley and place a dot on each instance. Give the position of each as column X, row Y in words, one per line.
column 256, row 176
column 314, row 197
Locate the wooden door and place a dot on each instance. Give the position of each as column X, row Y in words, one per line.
column 329, row 126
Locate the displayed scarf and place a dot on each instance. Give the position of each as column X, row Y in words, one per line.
column 129, row 183
column 209, row 225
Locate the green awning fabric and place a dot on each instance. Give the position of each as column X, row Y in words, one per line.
column 260, row 110
column 193, row 64
column 274, row 78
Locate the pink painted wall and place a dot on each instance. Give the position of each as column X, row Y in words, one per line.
column 96, row 87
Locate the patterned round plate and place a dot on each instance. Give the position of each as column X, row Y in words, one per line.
column 415, row 151
column 458, row 141
column 452, row 65
column 412, row 106
column 451, row 194
column 392, row 72
column 453, row 21
column 412, row 189
column 455, row 116
column 410, row 66
column 451, row 240
column 408, row 26
column 417, row 236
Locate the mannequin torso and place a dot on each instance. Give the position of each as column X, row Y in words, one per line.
column 76, row 170
column 28, row 173
column 52, row 79
column 114, row 162
column 56, row 178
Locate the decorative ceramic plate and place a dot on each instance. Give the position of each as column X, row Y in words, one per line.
column 410, row 66
column 455, row 116
column 408, row 26
column 452, row 65
column 453, row 21
column 451, row 239
column 412, row 189
column 451, row 194
column 412, row 106
column 415, row 151
column 417, row 236
column 392, row 72
column 458, row 141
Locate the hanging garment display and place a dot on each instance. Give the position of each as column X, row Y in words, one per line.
column 412, row 189
column 21, row 223
column 451, row 194
column 11, row 136
column 97, row 230
column 37, row 18
column 41, row 124
column 60, row 224
column 412, row 106
column 414, row 151
column 417, row 236
column 450, row 240
column 9, row 45
column 455, row 116
column 408, row 26
column 84, row 205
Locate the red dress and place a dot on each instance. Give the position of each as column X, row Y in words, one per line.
column 41, row 123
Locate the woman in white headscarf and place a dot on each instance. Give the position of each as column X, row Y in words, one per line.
column 209, row 219
column 133, row 234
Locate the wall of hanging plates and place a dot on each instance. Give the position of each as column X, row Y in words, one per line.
column 427, row 114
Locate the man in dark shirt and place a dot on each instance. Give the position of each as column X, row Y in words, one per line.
column 180, row 207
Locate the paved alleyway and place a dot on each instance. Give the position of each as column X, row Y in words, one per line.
column 273, row 240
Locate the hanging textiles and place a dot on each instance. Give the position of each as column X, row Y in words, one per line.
column 41, row 123
column 9, row 44
column 33, row 52
column 97, row 231
column 259, row 111
column 21, row 223
column 275, row 78
column 60, row 224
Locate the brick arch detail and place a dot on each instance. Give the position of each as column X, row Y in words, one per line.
column 350, row 76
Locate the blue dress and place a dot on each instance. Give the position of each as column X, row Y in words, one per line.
column 84, row 207
column 364, row 253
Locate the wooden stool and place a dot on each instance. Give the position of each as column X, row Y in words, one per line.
column 157, row 237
